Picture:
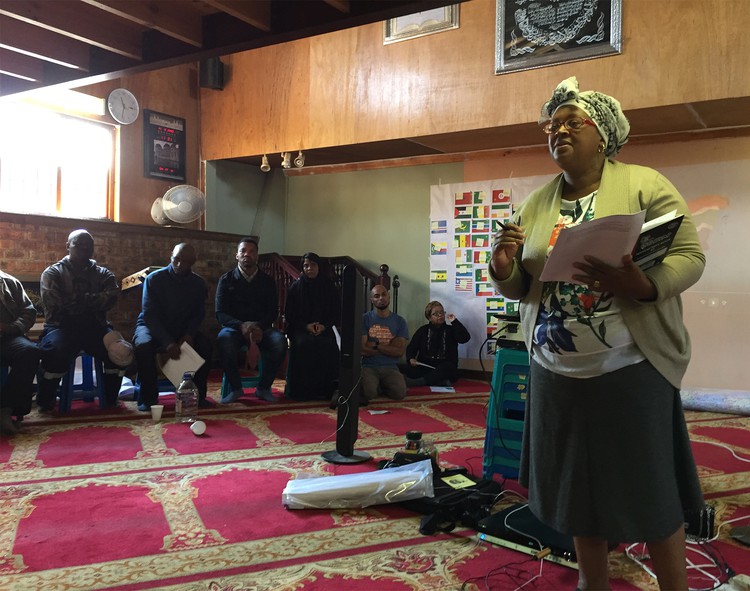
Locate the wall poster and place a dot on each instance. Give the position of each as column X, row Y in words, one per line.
column 463, row 219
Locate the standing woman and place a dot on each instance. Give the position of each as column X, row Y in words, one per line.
column 435, row 344
column 312, row 310
column 606, row 454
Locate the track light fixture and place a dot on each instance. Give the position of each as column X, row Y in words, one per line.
column 299, row 161
column 286, row 160
column 264, row 166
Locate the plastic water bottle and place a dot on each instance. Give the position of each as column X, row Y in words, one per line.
column 186, row 399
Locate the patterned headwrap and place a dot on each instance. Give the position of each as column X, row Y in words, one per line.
column 604, row 110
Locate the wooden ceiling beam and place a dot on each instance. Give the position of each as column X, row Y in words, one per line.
column 12, row 85
column 21, row 66
column 256, row 13
column 340, row 5
column 80, row 22
column 31, row 69
column 45, row 44
column 170, row 18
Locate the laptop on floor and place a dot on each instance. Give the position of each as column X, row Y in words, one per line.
column 518, row 529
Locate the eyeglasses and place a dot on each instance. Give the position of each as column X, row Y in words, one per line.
column 572, row 124
column 438, row 314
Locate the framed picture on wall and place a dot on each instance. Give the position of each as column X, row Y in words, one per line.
column 163, row 146
column 420, row 24
column 548, row 32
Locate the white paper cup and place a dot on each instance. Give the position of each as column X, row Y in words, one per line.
column 156, row 410
column 198, row 428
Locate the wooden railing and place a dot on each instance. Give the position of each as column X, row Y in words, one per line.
column 285, row 269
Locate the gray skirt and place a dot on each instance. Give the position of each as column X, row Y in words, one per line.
column 609, row 456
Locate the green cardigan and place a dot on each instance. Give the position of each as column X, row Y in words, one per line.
column 657, row 327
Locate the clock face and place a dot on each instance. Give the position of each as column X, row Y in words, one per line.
column 123, row 106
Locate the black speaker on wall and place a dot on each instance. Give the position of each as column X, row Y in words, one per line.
column 212, row 74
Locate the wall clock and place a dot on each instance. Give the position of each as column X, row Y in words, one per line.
column 123, row 106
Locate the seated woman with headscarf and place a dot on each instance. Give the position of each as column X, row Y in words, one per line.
column 312, row 309
column 432, row 353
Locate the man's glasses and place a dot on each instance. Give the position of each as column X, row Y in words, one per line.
column 572, row 124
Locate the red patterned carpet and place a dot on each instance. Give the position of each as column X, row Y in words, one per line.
column 118, row 502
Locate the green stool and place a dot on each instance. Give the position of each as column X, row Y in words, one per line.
column 247, row 381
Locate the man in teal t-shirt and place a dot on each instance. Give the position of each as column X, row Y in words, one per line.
column 384, row 338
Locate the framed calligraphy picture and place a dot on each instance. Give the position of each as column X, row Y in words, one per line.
column 538, row 33
column 420, row 24
column 163, row 146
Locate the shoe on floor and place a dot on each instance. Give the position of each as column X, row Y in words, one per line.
column 143, row 407
column 232, row 397
column 206, row 403
column 266, row 395
column 6, row 423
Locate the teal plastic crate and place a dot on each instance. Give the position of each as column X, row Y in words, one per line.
column 505, row 414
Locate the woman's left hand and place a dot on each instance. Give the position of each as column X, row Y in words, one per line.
column 450, row 317
column 627, row 281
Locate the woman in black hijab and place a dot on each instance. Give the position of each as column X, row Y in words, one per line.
column 312, row 310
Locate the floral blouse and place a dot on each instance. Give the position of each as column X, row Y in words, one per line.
column 580, row 332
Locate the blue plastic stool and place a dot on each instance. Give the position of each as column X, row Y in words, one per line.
column 247, row 381
column 87, row 389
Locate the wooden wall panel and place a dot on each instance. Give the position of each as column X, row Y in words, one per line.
column 357, row 90
column 264, row 101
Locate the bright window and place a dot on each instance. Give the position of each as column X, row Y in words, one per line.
column 53, row 164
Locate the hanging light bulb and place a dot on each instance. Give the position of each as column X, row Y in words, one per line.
column 286, row 160
column 264, row 166
column 299, row 161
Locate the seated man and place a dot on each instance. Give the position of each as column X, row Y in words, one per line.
column 246, row 308
column 173, row 306
column 383, row 343
column 76, row 295
column 17, row 316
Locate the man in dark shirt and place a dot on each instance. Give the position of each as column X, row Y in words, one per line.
column 173, row 306
column 246, row 308
column 17, row 316
column 76, row 295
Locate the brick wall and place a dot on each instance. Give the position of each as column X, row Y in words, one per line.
column 30, row 243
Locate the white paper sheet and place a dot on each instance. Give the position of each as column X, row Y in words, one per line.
column 425, row 365
column 189, row 360
column 608, row 239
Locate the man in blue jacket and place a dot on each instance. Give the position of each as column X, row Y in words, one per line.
column 246, row 308
column 172, row 309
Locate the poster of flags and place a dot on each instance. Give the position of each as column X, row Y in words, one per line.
column 463, row 220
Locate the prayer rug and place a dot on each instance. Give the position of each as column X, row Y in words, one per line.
column 95, row 500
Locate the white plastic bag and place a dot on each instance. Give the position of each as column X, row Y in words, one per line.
column 391, row 485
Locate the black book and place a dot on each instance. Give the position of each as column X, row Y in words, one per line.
column 655, row 239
